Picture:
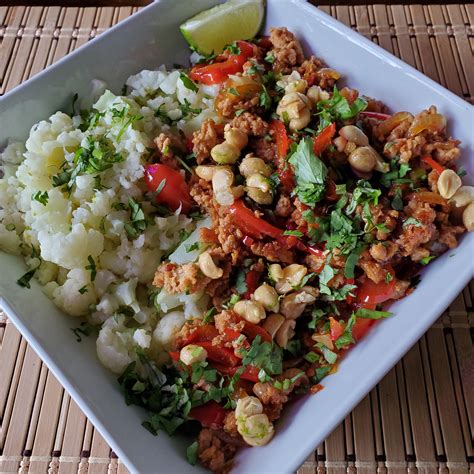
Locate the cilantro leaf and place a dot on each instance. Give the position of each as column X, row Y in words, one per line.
column 192, row 453
column 264, row 355
column 240, row 283
column 329, row 355
column 187, row 82
column 310, row 173
column 41, row 197
column 372, row 314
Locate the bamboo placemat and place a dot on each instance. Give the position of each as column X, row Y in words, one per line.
column 420, row 418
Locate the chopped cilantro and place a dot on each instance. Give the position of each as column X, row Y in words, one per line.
column 84, row 329
column 24, row 280
column 263, row 355
column 209, row 315
column 311, row 357
column 233, row 91
column 240, row 283
column 83, row 290
column 239, row 112
column 338, row 108
column 192, row 453
column 138, row 222
column 187, row 82
column 328, row 354
column 10, row 227
column 371, row 314
column 427, row 259
column 270, row 58
column 41, row 197
column 412, row 221
column 310, row 173
column 92, row 267
column 296, row 233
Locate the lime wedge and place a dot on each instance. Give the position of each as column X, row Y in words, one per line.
column 210, row 30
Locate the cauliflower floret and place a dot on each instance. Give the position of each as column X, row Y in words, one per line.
column 77, row 294
column 116, row 344
column 9, row 240
column 167, row 327
column 71, row 250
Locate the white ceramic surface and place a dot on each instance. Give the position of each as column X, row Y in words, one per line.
column 146, row 40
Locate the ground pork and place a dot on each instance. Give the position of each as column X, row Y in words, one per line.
column 421, row 211
column 250, row 124
column 314, row 72
column 283, row 206
column 230, row 424
column 287, row 50
column 273, row 251
column 433, row 176
column 383, row 251
column 445, row 152
column 213, row 453
column 373, row 269
column 263, row 148
column 400, row 288
column 448, row 235
column 167, row 145
column 413, row 236
column 227, row 104
column 206, row 138
column 228, row 319
column 405, row 148
column 180, row 278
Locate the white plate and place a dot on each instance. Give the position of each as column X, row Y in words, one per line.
column 146, row 40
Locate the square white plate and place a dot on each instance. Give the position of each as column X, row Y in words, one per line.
column 147, row 40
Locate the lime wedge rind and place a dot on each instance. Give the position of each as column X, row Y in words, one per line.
column 209, row 31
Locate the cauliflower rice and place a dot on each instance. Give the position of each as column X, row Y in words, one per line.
column 77, row 241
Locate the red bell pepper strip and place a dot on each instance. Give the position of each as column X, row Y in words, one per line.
column 250, row 372
column 250, row 224
column 253, row 330
column 209, row 414
column 223, row 355
column 375, row 115
column 375, row 293
column 323, row 140
column 361, row 327
column 433, row 163
column 248, row 241
column 219, row 71
column 285, row 171
column 206, row 332
column 174, row 355
column 174, row 190
column 252, row 279
column 336, row 329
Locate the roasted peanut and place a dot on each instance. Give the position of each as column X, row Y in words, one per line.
column 316, row 94
column 224, row 153
column 295, row 107
column 191, row 353
column 251, row 311
column 267, row 296
column 468, row 217
column 207, row 172
column 293, row 305
column 292, row 276
column 247, row 406
column 273, row 323
column 363, row 159
column 285, row 333
column 251, row 165
column 256, row 430
column 300, row 85
column 462, row 197
column 222, row 186
column 259, row 196
column 448, row 183
column 208, row 267
column 235, row 137
column 354, row 134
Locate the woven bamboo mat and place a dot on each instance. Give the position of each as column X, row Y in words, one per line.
column 420, row 418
